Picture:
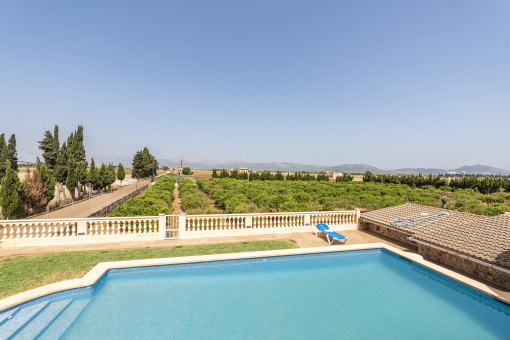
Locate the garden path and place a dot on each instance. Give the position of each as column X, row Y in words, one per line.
column 176, row 204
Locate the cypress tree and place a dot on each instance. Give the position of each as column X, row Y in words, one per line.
column 3, row 155
column 56, row 142
column 78, row 148
column 143, row 164
column 10, row 190
column 48, row 181
column 81, row 177
column 111, row 177
column 61, row 168
column 71, row 180
column 3, row 160
column 103, row 176
column 121, row 173
column 50, row 146
column 224, row 173
column 12, row 154
column 2, row 141
column 62, row 164
column 93, row 176
column 279, row 176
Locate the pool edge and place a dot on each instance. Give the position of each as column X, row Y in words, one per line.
column 100, row 269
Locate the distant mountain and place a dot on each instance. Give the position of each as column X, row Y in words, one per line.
column 207, row 165
column 424, row 171
column 482, row 169
column 359, row 168
column 362, row 168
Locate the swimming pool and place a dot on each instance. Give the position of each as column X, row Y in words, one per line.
column 350, row 294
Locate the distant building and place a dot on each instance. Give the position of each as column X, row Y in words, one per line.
column 333, row 175
column 239, row 171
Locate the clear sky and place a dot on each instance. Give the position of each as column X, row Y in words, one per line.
column 388, row 83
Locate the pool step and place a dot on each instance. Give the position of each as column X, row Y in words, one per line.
column 64, row 320
column 4, row 316
column 42, row 320
column 23, row 316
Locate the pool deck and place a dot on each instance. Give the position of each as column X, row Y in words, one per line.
column 303, row 240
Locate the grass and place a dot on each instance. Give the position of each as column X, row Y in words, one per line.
column 22, row 272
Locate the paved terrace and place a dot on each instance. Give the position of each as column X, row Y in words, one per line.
column 304, row 240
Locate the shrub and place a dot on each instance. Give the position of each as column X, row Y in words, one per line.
column 194, row 201
column 187, row 171
column 155, row 200
column 492, row 199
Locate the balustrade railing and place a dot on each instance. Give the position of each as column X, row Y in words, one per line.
column 170, row 226
column 56, row 228
column 34, row 229
column 122, row 226
column 291, row 220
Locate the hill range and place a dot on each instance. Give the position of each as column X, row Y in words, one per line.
column 353, row 168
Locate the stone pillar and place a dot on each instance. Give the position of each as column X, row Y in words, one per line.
column 307, row 220
column 81, row 228
column 162, row 226
column 358, row 213
column 182, row 225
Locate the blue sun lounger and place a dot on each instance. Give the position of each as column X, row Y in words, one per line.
column 323, row 228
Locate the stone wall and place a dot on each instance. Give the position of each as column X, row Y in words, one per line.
column 465, row 265
column 389, row 232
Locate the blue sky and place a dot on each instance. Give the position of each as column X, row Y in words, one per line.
column 388, row 83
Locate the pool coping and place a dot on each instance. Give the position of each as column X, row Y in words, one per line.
column 101, row 268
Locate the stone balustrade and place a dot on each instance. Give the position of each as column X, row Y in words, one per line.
column 266, row 223
column 122, row 226
column 141, row 228
column 37, row 229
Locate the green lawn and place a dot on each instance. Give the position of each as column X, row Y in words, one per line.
column 22, row 272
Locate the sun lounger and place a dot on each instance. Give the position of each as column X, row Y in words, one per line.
column 330, row 234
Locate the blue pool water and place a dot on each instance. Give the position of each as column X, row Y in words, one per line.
column 353, row 295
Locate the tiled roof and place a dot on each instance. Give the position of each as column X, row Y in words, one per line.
column 410, row 210
column 480, row 237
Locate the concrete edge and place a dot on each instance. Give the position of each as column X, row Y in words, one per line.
column 101, row 268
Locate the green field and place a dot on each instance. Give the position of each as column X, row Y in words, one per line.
column 237, row 196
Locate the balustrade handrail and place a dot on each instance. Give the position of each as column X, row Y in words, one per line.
column 127, row 218
column 76, row 219
column 276, row 213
